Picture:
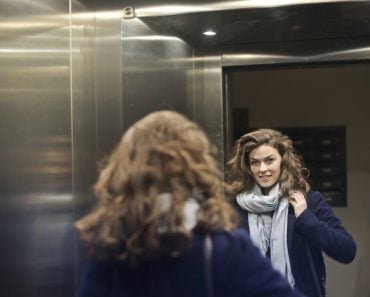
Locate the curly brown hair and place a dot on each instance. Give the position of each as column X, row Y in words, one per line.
column 293, row 173
column 162, row 153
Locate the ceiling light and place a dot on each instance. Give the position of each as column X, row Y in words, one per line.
column 209, row 33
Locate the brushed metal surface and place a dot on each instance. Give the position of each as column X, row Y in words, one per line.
column 84, row 120
column 237, row 59
column 36, row 205
column 108, row 81
column 163, row 8
column 156, row 72
column 208, row 100
column 166, row 7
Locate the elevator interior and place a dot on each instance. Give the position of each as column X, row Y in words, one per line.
column 76, row 74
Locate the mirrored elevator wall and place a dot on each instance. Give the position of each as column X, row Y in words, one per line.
column 162, row 71
column 204, row 98
column 36, row 202
column 72, row 80
column 156, row 70
column 59, row 116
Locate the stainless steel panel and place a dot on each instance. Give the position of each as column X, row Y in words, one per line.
column 156, row 72
column 108, row 83
column 209, row 107
column 35, row 153
column 172, row 7
column 161, row 8
column 96, row 103
column 84, row 118
column 244, row 59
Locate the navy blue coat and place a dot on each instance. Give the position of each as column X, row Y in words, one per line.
column 238, row 270
column 319, row 230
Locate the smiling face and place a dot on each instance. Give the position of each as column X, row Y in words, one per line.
column 265, row 165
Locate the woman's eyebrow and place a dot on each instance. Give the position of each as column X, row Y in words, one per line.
column 269, row 156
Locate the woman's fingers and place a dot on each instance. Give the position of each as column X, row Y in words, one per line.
column 298, row 201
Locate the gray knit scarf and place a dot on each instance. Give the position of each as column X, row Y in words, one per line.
column 267, row 231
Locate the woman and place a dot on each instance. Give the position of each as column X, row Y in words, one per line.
column 158, row 196
column 290, row 224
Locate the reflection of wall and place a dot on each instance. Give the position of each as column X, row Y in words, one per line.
column 322, row 97
column 156, row 72
column 208, row 98
column 164, row 72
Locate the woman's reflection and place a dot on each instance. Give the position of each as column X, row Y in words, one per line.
column 290, row 224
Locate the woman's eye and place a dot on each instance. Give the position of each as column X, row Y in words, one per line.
column 254, row 163
column 269, row 161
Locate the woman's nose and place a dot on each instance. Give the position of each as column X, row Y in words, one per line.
column 263, row 167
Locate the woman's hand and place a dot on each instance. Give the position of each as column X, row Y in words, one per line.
column 298, row 201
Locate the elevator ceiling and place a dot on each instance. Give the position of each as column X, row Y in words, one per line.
column 305, row 28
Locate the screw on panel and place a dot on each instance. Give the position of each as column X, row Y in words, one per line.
column 128, row 12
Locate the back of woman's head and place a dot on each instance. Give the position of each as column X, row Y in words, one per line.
column 293, row 174
column 161, row 162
